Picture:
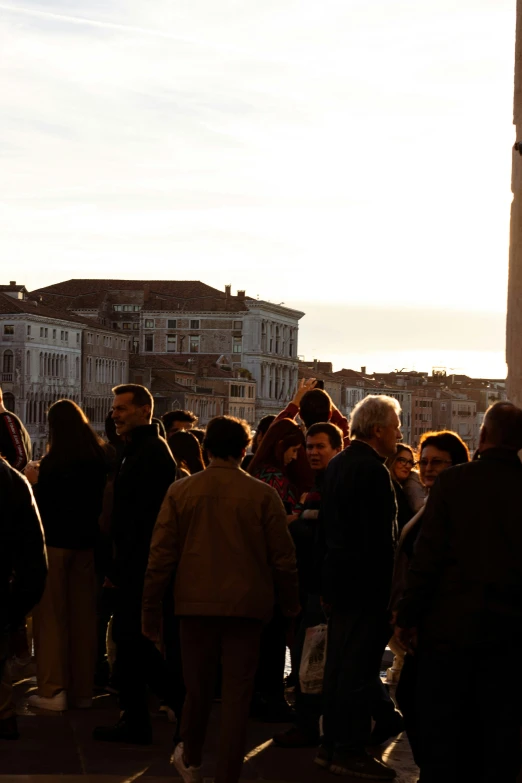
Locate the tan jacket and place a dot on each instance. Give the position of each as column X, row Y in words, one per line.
column 226, row 532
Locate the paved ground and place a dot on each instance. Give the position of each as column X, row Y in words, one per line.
column 60, row 744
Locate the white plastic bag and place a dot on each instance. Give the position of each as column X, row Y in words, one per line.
column 313, row 659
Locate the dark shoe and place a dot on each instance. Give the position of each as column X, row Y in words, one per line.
column 272, row 712
column 9, row 728
column 295, row 738
column 323, row 757
column 383, row 731
column 125, row 732
column 361, row 766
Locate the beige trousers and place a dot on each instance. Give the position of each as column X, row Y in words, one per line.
column 64, row 625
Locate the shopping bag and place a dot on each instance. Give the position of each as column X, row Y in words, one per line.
column 313, row 659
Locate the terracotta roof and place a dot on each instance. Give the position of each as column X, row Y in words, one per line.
column 154, row 361
column 157, row 294
column 9, row 305
column 344, row 373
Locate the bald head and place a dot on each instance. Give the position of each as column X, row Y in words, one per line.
column 502, row 427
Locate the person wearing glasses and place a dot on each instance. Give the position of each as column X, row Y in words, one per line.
column 401, row 467
column 438, row 452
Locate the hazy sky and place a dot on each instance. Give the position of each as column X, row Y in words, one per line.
column 342, row 151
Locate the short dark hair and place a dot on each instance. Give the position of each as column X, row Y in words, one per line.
column 503, row 425
column 140, row 394
column 226, row 437
column 179, row 415
column 446, row 441
column 335, row 435
column 315, row 407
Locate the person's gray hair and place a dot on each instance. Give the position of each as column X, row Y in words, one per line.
column 374, row 411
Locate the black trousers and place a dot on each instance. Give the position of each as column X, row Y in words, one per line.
column 270, row 676
column 468, row 704
column 139, row 662
column 353, row 690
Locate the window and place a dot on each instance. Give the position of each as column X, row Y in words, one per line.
column 118, row 308
column 149, row 323
column 237, row 391
column 149, row 342
column 194, row 344
column 28, row 362
column 135, row 326
column 61, row 335
column 237, row 325
column 89, row 337
column 28, row 331
column 172, row 323
column 97, row 339
column 66, row 337
column 41, row 331
column 114, row 325
column 172, row 343
column 194, row 324
column 127, row 308
column 237, row 345
column 7, row 366
column 78, row 338
column 126, row 325
column 251, row 392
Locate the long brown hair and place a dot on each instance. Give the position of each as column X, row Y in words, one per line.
column 280, row 436
column 71, row 437
column 186, row 451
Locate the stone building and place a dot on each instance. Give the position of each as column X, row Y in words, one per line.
column 47, row 355
column 184, row 319
column 455, row 412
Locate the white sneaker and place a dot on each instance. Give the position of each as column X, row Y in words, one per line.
column 57, row 703
column 189, row 774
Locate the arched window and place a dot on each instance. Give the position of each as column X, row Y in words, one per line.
column 7, row 365
column 28, row 362
column 41, row 364
column 9, row 401
column 77, row 368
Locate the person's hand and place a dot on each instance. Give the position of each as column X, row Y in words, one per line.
column 151, row 628
column 406, row 638
column 291, row 518
column 304, row 386
column 31, row 472
column 327, row 608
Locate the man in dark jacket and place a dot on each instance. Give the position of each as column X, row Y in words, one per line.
column 146, row 471
column 462, row 611
column 23, row 569
column 15, row 443
column 359, row 515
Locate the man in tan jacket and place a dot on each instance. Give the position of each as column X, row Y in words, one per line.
column 225, row 533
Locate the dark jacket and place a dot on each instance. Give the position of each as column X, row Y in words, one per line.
column 69, row 497
column 308, row 538
column 15, row 443
column 358, row 512
column 464, row 585
column 23, row 561
column 145, row 473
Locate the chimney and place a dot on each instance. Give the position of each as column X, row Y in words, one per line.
column 12, row 282
column 363, row 370
column 228, row 290
column 241, row 295
column 316, row 365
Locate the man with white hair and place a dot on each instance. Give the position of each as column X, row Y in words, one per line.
column 359, row 516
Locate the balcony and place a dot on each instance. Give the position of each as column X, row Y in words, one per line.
column 7, row 377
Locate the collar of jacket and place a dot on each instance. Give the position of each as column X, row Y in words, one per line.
column 509, row 455
column 223, row 463
column 145, row 431
column 365, row 448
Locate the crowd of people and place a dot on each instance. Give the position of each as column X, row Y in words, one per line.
column 183, row 563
